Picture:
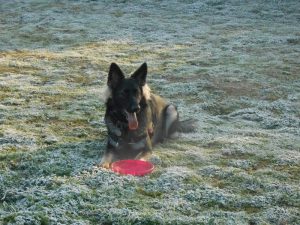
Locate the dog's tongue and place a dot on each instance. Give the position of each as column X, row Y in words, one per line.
column 132, row 121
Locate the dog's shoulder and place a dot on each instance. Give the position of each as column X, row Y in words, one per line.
column 156, row 104
column 157, row 100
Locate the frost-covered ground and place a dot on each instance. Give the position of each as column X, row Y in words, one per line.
column 233, row 65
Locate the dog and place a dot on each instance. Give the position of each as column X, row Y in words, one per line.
column 136, row 119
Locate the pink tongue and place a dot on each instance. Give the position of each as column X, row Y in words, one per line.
column 132, row 121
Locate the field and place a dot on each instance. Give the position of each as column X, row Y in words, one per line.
column 232, row 65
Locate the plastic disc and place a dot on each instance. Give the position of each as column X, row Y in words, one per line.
column 132, row 167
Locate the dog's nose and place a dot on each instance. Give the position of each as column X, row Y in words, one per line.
column 135, row 108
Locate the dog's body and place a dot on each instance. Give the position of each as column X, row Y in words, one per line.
column 135, row 118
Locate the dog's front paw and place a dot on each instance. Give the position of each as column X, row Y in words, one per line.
column 105, row 165
column 106, row 161
column 143, row 156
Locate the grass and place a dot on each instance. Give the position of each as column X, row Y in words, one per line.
column 231, row 65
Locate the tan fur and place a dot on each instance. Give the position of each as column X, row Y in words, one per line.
column 147, row 92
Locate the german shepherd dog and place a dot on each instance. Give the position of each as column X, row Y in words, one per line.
column 135, row 118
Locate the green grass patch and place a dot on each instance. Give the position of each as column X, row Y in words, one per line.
column 152, row 194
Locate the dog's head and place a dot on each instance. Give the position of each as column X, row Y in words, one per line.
column 128, row 93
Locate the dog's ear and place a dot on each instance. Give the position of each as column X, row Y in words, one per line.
column 115, row 75
column 140, row 74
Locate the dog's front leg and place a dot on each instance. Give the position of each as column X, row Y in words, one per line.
column 146, row 128
column 106, row 160
column 148, row 145
column 146, row 149
column 111, row 127
column 108, row 156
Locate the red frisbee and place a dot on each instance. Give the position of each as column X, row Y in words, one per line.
column 132, row 167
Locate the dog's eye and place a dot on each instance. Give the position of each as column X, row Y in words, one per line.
column 125, row 92
column 135, row 91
